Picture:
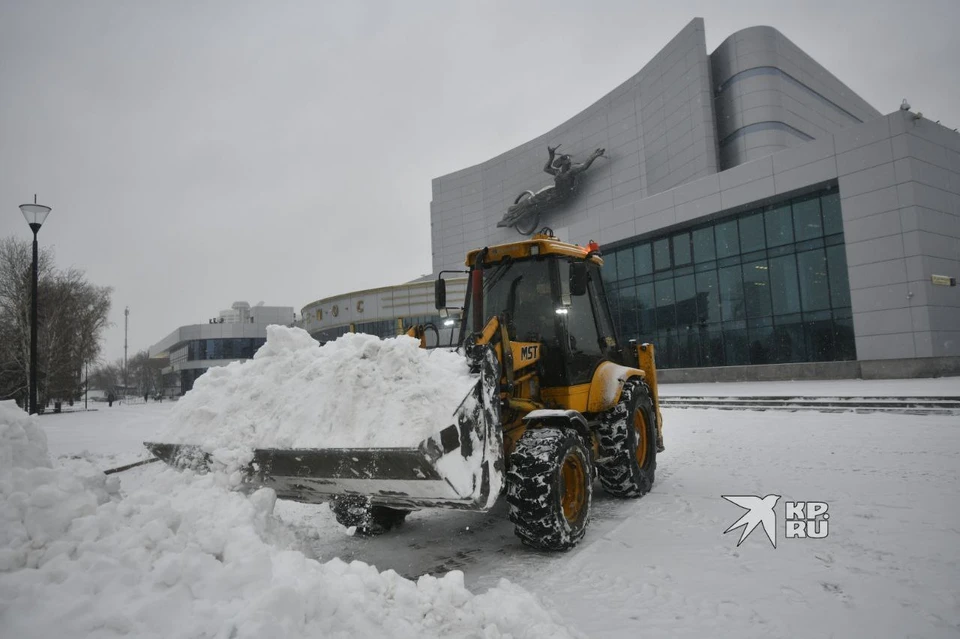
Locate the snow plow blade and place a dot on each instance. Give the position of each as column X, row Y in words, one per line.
column 461, row 466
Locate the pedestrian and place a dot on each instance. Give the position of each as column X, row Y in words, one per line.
column 110, row 398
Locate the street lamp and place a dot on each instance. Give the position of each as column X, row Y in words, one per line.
column 35, row 214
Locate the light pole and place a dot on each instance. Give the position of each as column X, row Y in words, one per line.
column 35, row 214
column 126, row 324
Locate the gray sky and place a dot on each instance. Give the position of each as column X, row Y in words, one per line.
column 199, row 153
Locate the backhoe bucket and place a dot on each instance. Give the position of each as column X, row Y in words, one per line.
column 461, row 466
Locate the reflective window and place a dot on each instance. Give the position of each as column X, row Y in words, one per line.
column 609, row 270
column 735, row 347
column 666, row 313
column 708, row 297
column 806, row 219
column 629, row 318
column 761, row 287
column 220, row 348
column 711, row 345
column 643, row 259
column 685, row 291
column 814, row 290
column 661, row 254
column 647, row 308
column 731, row 293
column 728, row 240
column 756, row 289
column 760, row 341
column 779, row 224
column 751, row 233
column 681, row 249
column 830, row 207
column 688, row 346
column 584, row 339
column 703, row 248
column 625, row 264
column 784, row 285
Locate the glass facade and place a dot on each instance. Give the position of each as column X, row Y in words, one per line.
column 765, row 286
column 330, row 334
column 380, row 328
column 188, row 377
column 223, row 348
column 210, row 349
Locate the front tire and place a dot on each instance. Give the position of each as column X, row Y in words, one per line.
column 628, row 443
column 550, row 488
column 370, row 520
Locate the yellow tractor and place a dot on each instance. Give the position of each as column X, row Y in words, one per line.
column 559, row 403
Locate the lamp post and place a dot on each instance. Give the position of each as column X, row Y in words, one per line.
column 35, row 214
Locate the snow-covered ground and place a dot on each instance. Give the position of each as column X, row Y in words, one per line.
column 933, row 387
column 108, row 436
column 662, row 565
column 180, row 554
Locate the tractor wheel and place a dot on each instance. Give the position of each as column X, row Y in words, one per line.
column 370, row 520
column 628, row 443
column 549, row 488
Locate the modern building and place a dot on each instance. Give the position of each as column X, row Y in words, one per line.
column 757, row 218
column 386, row 312
column 235, row 334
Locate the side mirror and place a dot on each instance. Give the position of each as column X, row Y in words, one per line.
column 440, row 293
column 578, row 278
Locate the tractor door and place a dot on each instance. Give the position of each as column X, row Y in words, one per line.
column 522, row 294
column 587, row 332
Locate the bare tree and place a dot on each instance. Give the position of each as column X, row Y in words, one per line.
column 71, row 317
column 106, row 377
column 145, row 374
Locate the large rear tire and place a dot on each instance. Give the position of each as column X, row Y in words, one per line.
column 628, row 443
column 369, row 520
column 549, row 488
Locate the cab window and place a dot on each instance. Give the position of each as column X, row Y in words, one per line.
column 583, row 339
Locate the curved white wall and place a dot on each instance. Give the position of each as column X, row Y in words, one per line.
column 770, row 95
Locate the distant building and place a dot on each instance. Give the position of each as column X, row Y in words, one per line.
column 385, row 312
column 235, row 334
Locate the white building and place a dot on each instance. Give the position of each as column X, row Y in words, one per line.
column 235, row 334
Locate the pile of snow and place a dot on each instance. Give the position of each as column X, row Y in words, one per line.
column 39, row 502
column 189, row 557
column 357, row 391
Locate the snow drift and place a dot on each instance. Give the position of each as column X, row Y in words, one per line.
column 189, row 557
column 357, row 391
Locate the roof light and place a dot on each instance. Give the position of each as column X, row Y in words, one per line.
column 592, row 246
column 562, row 311
column 449, row 322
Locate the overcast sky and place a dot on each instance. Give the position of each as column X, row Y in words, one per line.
column 199, row 153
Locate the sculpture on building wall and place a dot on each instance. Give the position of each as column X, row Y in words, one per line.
column 524, row 215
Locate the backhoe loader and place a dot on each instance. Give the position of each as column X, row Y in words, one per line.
column 559, row 403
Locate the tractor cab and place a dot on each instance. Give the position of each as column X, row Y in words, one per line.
column 547, row 293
